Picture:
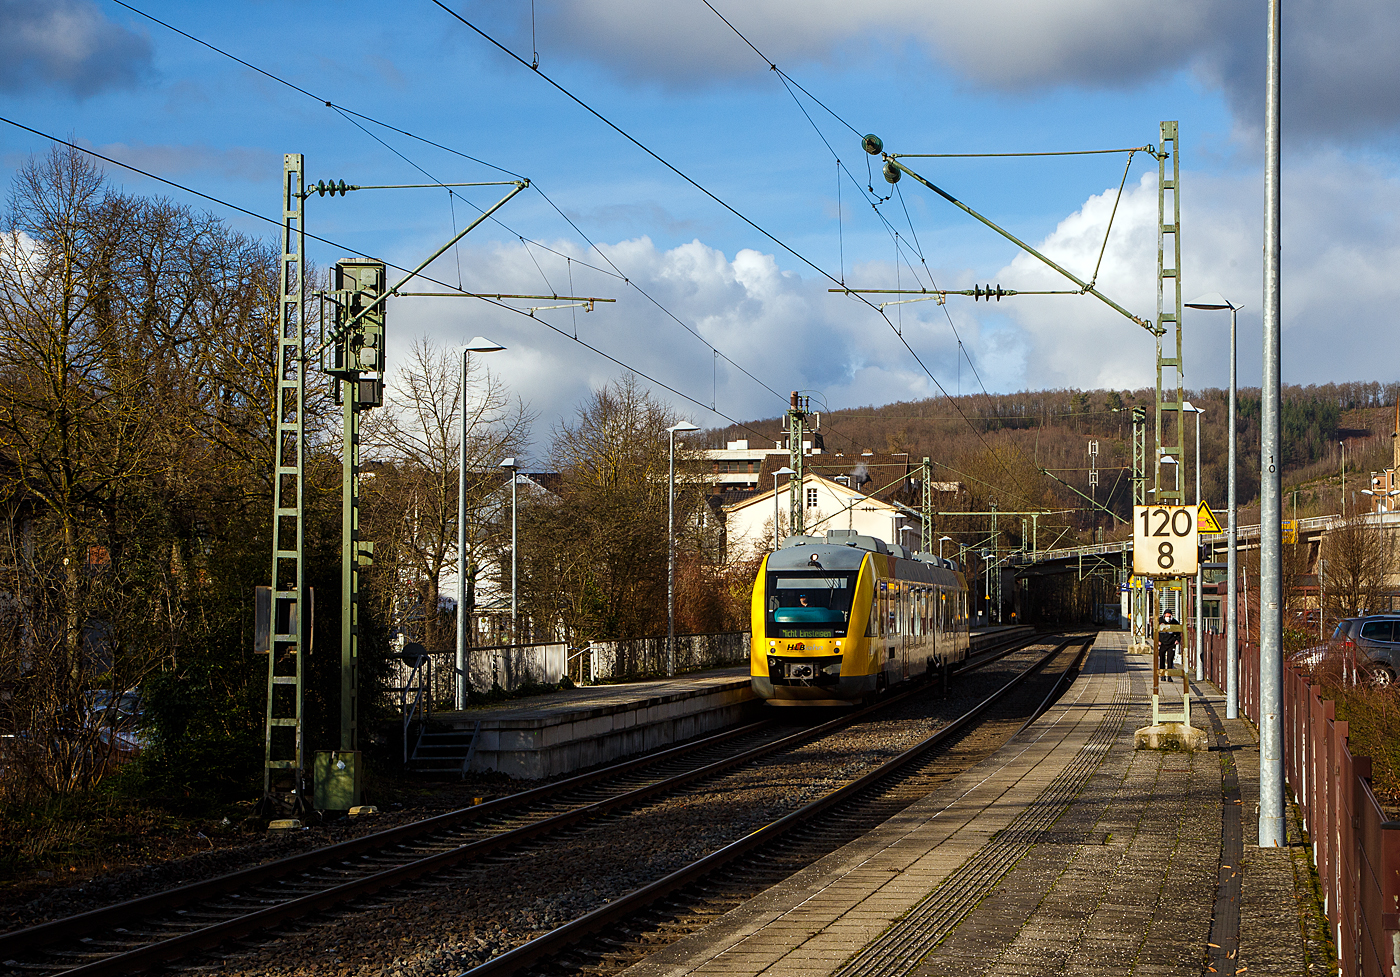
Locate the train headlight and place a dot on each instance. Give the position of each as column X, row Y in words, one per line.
column 832, row 669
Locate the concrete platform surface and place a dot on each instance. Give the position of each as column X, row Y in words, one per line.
column 599, row 699
column 559, row 733
column 1066, row 852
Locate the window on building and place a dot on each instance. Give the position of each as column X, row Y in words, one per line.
column 811, row 498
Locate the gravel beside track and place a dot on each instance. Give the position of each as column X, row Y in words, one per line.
column 449, row 921
column 457, row 920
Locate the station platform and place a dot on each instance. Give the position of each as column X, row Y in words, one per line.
column 549, row 735
column 1066, row 852
column 559, row 733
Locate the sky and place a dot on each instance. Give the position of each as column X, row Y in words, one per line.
column 718, row 200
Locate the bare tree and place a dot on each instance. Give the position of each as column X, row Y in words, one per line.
column 1357, row 554
column 411, row 503
column 596, row 558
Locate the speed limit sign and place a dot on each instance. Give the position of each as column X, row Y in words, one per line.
column 1165, row 540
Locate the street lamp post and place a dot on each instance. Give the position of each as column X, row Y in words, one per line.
column 1272, row 810
column 1200, row 620
column 1343, row 445
column 785, row 470
column 1385, row 505
column 941, row 541
column 683, row 427
column 510, row 465
column 478, row 345
column 1214, row 301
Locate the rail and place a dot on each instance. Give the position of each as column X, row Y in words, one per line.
column 329, row 873
column 600, row 920
column 1356, row 847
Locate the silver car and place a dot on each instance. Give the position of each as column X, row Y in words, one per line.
column 1378, row 637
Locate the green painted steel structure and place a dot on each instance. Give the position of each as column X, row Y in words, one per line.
column 290, row 607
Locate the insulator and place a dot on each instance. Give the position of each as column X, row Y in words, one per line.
column 1000, row 293
column 342, row 188
column 892, row 173
column 872, row 144
column 321, row 188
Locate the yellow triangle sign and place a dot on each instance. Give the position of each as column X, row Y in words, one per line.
column 1205, row 519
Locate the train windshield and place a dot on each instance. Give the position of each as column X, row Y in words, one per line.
column 809, row 605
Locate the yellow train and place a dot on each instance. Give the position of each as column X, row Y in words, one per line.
column 837, row 619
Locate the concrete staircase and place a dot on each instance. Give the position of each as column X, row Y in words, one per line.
column 444, row 753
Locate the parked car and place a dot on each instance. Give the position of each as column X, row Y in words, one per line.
column 118, row 720
column 1377, row 636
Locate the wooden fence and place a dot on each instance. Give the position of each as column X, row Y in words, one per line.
column 1355, row 847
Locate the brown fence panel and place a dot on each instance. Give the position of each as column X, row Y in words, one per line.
column 1355, row 849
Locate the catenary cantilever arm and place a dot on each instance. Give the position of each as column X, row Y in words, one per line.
column 1085, row 287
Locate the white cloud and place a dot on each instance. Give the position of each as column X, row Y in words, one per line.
column 1341, row 237
column 785, row 329
column 1341, row 246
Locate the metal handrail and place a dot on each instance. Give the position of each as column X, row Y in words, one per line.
column 1241, row 532
column 422, row 698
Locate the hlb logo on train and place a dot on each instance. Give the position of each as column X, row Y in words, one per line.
column 1166, row 540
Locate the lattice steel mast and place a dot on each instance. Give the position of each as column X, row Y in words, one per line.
column 289, row 617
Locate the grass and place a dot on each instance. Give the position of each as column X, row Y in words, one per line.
column 1373, row 717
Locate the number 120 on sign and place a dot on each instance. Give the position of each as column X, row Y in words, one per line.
column 1165, row 540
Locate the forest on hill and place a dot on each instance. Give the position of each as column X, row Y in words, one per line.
column 1031, row 450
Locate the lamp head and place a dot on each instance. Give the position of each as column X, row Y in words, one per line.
column 483, row 345
column 785, row 470
column 1212, row 301
column 682, row 426
column 509, row 463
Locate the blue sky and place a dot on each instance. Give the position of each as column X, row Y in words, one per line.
column 960, row 76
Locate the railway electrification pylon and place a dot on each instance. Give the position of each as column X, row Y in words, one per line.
column 1168, row 423
column 352, row 354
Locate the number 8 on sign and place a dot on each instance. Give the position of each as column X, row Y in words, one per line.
column 1165, row 540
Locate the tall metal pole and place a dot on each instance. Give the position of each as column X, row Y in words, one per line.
column 776, row 516
column 1271, row 798
column 997, row 578
column 460, row 679
column 1200, row 618
column 514, row 562
column 1232, row 655
column 478, row 345
column 671, row 560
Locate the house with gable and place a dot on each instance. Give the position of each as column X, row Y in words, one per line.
column 872, row 495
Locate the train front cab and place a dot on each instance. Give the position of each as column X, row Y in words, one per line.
column 809, row 614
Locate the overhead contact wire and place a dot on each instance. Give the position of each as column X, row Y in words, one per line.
column 361, row 254
column 351, row 115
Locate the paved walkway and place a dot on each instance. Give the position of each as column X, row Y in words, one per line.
column 1067, row 852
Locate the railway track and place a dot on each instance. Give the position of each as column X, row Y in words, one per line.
column 624, row 931
column 151, row 931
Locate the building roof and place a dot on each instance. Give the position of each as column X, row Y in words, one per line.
column 890, row 477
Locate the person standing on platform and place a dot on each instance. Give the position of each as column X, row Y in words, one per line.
column 1166, row 641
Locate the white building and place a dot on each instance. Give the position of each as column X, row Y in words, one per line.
column 737, row 466
column 827, row 504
